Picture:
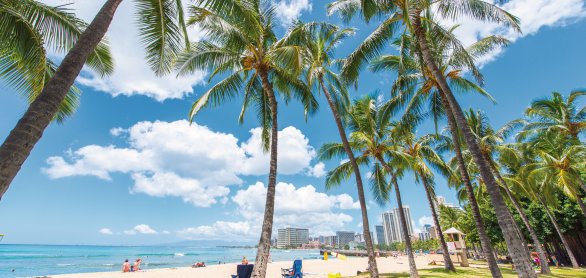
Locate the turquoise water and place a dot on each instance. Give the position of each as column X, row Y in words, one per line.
column 39, row 260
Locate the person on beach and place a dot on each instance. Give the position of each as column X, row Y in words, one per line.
column 244, row 260
column 198, row 264
column 136, row 266
column 126, row 266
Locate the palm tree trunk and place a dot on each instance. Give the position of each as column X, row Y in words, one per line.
column 365, row 225
column 559, row 231
column 538, row 247
column 581, row 204
column 408, row 248
column 264, row 245
column 448, row 264
column 514, row 243
column 29, row 129
column 485, row 246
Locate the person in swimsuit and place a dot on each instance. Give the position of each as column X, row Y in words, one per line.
column 126, row 266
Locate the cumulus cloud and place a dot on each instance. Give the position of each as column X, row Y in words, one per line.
column 318, row 170
column 534, row 15
column 106, row 231
column 141, row 229
column 303, row 206
column 289, row 10
column 191, row 162
column 425, row 220
column 132, row 75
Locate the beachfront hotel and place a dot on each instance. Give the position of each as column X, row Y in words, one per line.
column 392, row 225
column 292, row 237
column 379, row 235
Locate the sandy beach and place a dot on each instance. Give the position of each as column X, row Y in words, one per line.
column 311, row 268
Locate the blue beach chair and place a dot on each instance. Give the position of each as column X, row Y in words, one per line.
column 243, row 271
column 295, row 272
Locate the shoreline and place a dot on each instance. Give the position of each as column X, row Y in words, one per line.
column 312, row 268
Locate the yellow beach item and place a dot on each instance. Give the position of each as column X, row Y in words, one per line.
column 336, row 275
column 325, row 256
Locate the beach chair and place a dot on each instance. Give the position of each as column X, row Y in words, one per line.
column 295, row 272
column 243, row 271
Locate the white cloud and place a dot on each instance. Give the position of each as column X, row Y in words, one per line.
column 181, row 160
column 294, row 206
column 132, row 75
column 425, row 220
column 166, row 232
column 534, row 15
column 289, row 10
column 141, row 229
column 294, row 152
column 106, row 231
column 318, row 170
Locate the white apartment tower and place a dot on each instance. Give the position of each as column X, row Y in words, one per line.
column 392, row 225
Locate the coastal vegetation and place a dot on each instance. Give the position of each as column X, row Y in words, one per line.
column 520, row 185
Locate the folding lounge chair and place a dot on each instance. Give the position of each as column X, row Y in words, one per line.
column 243, row 271
column 295, row 272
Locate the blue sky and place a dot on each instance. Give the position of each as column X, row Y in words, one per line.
column 128, row 169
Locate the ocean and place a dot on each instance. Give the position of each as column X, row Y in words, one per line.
column 18, row 260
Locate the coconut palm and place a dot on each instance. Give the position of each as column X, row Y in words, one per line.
column 374, row 137
column 422, row 160
column 419, row 94
column 241, row 45
column 408, row 17
column 537, row 187
column 320, row 41
column 556, row 113
column 561, row 162
column 29, row 29
column 160, row 27
column 491, row 145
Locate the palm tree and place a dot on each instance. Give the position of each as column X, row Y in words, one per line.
column 422, row 158
column 538, row 189
column 557, row 113
column 29, row 28
column 320, row 41
column 561, row 162
column 241, row 44
column 415, row 90
column 160, row 27
column 489, row 144
column 407, row 16
column 375, row 138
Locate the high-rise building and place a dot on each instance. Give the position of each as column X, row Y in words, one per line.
column 331, row 241
column 292, row 237
column 392, row 225
column 379, row 233
column 433, row 233
column 343, row 238
column 441, row 201
column 424, row 235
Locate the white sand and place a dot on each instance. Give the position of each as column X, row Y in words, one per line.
column 311, row 269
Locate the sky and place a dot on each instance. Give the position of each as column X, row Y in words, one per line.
column 129, row 169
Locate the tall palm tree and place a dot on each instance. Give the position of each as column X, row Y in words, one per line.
column 419, row 95
column 374, row 136
column 320, row 41
column 29, row 28
column 557, row 113
column 160, row 24
column 560, row 161
column 241, row 44
column 406, row 16
column 538, row 189
column 422, row 159
column 490, row 144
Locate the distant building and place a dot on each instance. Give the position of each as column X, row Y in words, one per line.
column 292, row 237
column 433, row 232
column 424, row 235
column 379, row 235
column 441, row 201
column 353, row 245
column 322, row 239
column 343, row 238
column 392, row 225
column 313, row 244
column 331, row 241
